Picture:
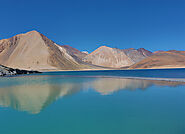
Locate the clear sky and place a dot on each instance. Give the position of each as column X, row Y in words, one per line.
column 88, row 24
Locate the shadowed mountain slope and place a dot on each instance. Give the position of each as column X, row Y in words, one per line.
column 75, row 52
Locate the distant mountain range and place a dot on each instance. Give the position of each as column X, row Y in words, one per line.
column 34, row 51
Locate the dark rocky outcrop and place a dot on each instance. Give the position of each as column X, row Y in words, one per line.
column 6, row 71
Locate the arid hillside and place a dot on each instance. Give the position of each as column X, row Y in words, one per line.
column 34, row 51
column 116, row 58
column 165, row 59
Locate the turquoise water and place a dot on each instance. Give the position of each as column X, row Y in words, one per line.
column 97, row 102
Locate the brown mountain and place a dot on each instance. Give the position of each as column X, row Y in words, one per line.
column 116, row 58
column 34, row 51
column 164, row 59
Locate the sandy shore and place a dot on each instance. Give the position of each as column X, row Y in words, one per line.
column 161, row 67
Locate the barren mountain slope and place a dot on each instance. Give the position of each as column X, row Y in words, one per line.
column 108, row 57
column 167, row 59
column 34, row 51
column 115, row 58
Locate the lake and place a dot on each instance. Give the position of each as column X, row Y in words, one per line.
column 94, row 102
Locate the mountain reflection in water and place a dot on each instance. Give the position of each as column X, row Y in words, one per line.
column 33, row 94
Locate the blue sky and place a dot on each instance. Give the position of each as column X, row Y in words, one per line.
column 88, row 24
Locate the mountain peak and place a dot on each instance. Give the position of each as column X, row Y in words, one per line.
column 34, row 32
column 103, row 47
column 99, row 49
column 145, row 52
column 141, row 49
column 30, row 33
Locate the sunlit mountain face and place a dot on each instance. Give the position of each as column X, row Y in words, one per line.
column 34, row 94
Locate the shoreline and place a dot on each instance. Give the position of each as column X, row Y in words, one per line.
column 115, row 77
column 108, row 69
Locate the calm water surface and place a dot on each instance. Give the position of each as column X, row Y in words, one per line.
column 94, row 102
